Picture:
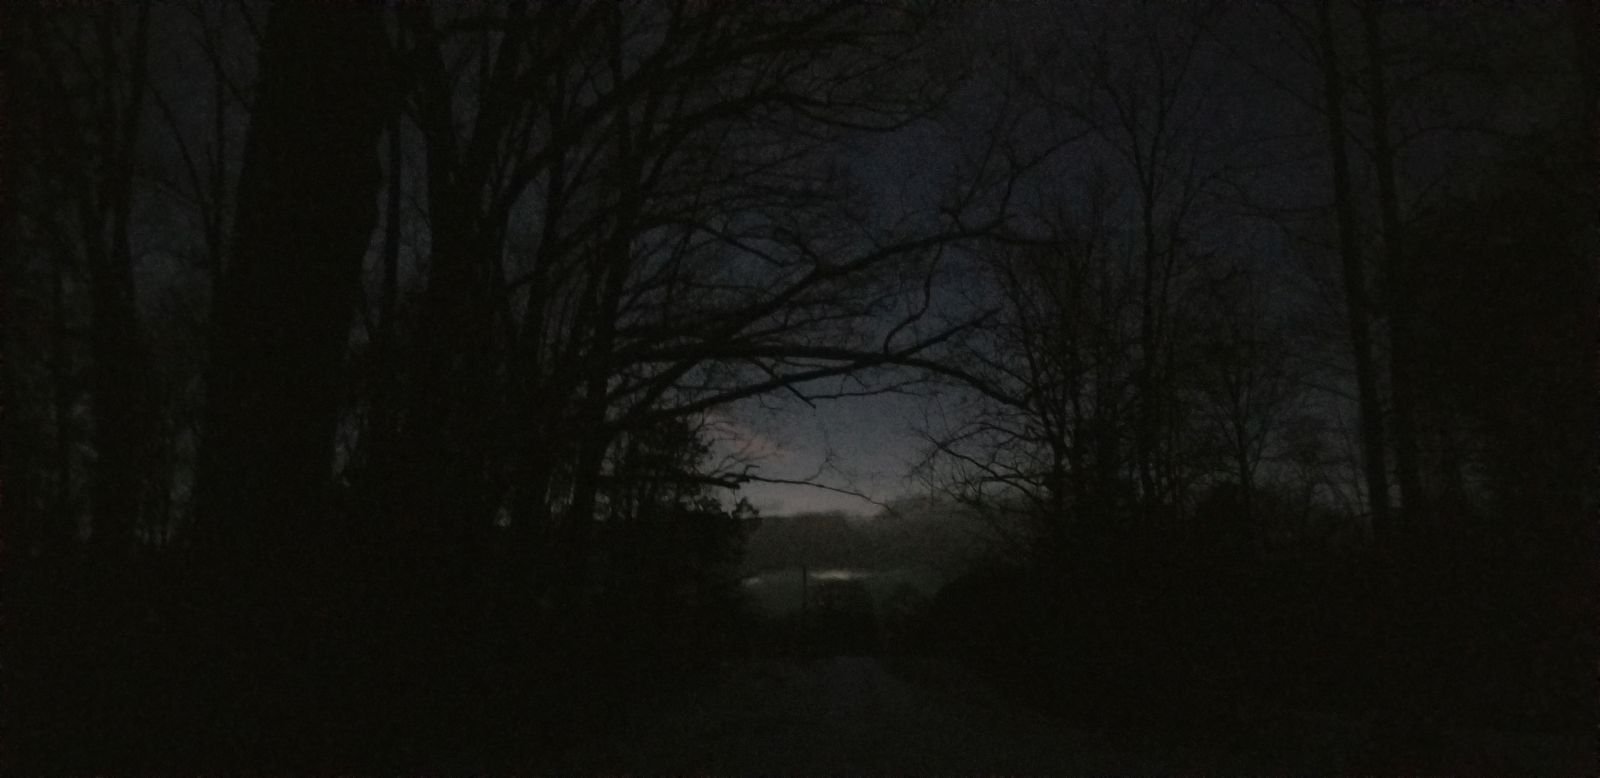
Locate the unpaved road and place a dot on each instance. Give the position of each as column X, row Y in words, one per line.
column 846, row 716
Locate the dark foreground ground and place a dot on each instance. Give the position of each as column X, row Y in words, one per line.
column 840, row 716
column 976, row 684
column 855, row 715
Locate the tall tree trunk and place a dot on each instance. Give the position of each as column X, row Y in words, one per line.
column 1149, row 404
column 61, row 518
column 1586, row 25
column 1355, row 284
column 601, row 306
column 593, row 439
column 1402, row 301
column 435, row 471
column 1580, row 600
column 381, row 431
column 124, row 430
column 307, row 207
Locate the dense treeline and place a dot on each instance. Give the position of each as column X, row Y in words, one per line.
column 1345, row 463
column 360, row 358
column 364, row 363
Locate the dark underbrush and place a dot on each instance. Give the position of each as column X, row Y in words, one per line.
column 1213, row 654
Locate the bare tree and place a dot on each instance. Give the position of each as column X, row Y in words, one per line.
column 1401, row 303
column 91, row 69
column 1244, row 376
column 279, row 326
column 1046, row 389
column 1139, row 80
column 646, row 221
column 1357, row 304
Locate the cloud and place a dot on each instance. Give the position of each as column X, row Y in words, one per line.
column 739, row 440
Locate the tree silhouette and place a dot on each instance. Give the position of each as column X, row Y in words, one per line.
column 373, row 372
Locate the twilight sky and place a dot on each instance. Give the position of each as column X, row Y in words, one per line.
column 1249, row 116
column 871, row 441
column 1250, row 129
